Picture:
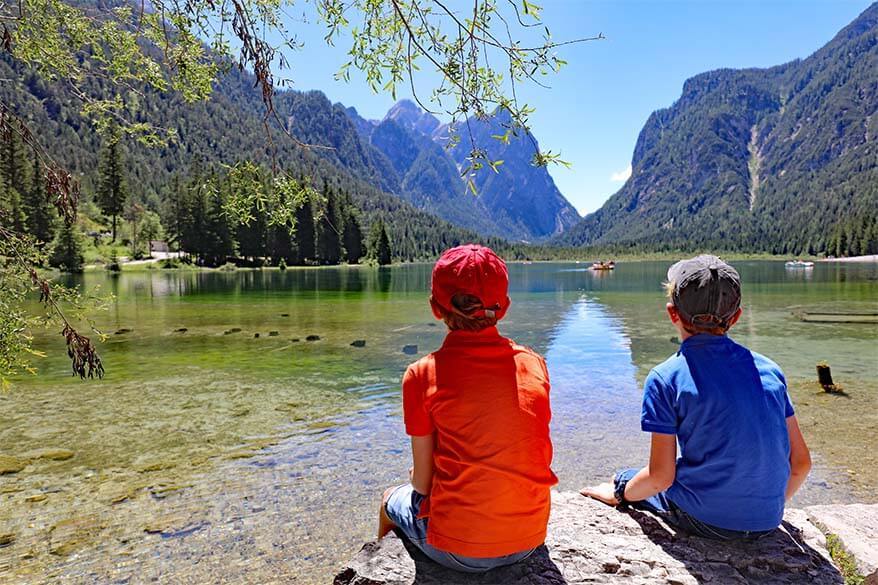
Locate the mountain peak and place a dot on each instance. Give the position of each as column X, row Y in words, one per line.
column 411, row 116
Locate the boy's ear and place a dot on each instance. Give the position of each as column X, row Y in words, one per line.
column 736, row 316
column 672, row 312
column 437, row 309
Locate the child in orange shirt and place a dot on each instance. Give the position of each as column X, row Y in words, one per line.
column 477, row 410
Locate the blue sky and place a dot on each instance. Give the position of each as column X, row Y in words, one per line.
column 598, row 103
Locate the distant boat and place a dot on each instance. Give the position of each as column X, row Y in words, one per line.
column 603, row 265
column 799, row 264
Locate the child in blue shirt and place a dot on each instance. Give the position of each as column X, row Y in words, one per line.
column 742, row 454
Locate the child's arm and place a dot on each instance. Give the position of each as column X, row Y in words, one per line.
column 649, row 481
column 800, row 457
column 660, row 474
column 422, row 461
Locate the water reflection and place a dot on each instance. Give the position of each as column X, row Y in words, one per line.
column 595, row 395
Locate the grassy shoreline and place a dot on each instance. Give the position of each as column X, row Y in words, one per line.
column 642, row 257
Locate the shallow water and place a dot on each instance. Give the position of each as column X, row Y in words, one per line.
column 212, row 455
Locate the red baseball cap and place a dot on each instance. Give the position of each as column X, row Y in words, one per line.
column 472, row 270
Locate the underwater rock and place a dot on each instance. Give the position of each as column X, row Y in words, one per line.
column 232, row 330
column 33, row 498
column 143, row 465
column 181, row 330
column 165, row 524
column 162, row 490
column 255, row 336
column 7, row 538
column 123, row 331
column 295, row 340
column 410, row 349
column 273, row 333
column 589, row 542
column 9, row 464
column 74, row 533
column 312, row 338
column 358, row 343
column 49, row 453
column 284, row 314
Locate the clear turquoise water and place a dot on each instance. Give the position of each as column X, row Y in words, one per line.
column 218, row 456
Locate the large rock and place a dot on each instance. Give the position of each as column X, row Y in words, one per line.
column 589, row 542
column 856, row 526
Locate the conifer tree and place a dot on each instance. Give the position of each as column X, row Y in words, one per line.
column 219, row 242
column 281, row 245
column 353, row 237
column 40, row 217
column 379, row 244
column 67, row 249
column 305, row 236
column 13, row 163
column 112, row 189
column 253, row 237
column 329, row 233
column 12, row 183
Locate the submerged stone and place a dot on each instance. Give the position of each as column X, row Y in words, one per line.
column 7, row 538
column 49, row 453
column 9, row 464
column 312, row 338
column 410, row 349
column 273, row 333
column 255, row 335
column 72, row 534
column 33, row 498
column 148, row 466
column 181, row 330
column 358, row 343
column 123, row 331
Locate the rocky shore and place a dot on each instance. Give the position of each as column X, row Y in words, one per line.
column 591, row 543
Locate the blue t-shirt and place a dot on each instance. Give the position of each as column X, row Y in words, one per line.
column 728, row 407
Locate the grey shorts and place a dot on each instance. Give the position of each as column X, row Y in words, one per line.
column 402, row 508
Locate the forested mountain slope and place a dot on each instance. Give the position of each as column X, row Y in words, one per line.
column 224, row 130
column 783, row 160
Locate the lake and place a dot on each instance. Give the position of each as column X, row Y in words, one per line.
column 214, row 455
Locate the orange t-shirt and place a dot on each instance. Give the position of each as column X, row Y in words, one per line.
column 486, row 401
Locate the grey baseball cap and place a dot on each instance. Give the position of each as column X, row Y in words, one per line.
column 707, row 291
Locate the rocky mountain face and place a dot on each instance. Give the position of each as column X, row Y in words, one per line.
column 783, row 160
column 519, row 202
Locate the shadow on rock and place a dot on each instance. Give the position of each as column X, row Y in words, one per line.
column 784, row 556
column 538, row 569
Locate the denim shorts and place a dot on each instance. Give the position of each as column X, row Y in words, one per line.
column 661, row 505
column 402, row 508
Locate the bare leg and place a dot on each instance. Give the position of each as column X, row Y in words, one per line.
column 385, row 524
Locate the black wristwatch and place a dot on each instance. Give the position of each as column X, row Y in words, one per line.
column 619, row 492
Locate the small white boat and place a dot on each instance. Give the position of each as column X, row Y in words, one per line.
column 799, row 264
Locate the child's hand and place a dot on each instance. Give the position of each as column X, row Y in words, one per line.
column 604, row 492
